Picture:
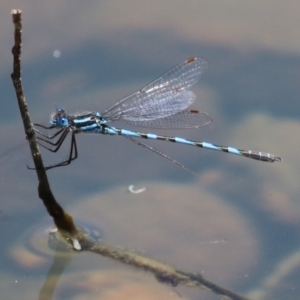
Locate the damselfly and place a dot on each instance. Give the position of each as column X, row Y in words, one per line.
column 161, row 104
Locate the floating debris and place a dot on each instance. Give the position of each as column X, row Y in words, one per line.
column 133, row 191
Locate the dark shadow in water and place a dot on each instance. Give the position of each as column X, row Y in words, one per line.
column 62, row 258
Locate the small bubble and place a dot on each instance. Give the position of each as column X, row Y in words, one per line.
column 56, row 53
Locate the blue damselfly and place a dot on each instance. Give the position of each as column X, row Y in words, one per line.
column 161, row 104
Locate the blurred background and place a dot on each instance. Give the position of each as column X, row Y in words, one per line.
column 237, row 223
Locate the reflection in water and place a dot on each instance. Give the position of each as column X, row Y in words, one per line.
column 37, row 243
column 61, row 260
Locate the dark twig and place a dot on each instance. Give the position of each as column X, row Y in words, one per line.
column 64, row 222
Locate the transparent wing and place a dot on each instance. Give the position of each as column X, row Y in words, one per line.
column 173, row 102
column 184, row 119
column 162, row 98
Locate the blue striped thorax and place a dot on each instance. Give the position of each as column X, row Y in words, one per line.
column 88, row 122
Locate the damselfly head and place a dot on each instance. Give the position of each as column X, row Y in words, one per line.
column 59, row 118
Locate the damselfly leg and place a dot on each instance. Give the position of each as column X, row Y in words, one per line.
column 45, row 141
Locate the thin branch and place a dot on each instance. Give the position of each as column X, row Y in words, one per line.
column 62, row 220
